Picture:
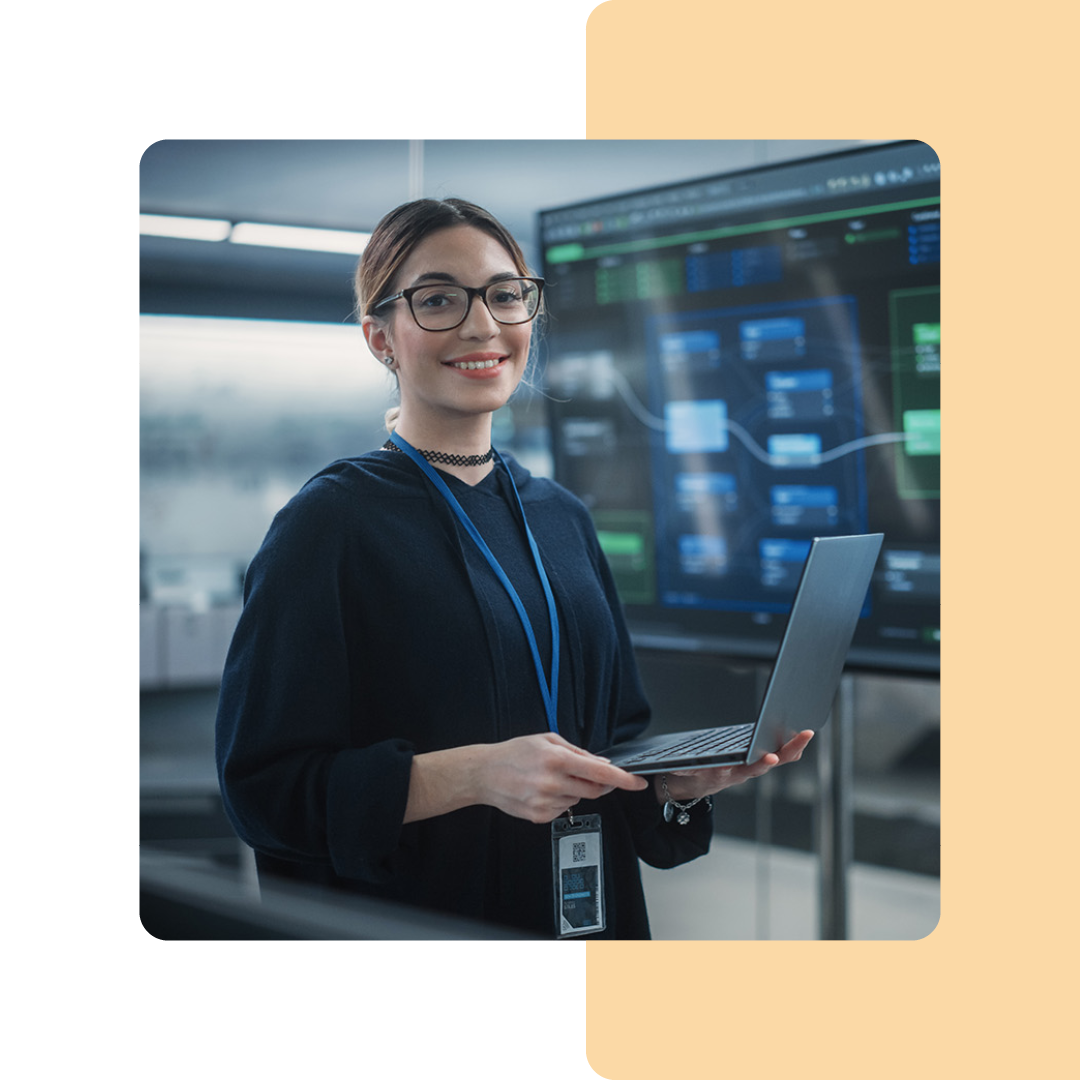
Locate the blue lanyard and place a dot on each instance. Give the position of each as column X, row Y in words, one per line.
column 549, row 690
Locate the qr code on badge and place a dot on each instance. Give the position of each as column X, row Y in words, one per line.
column 579, row 851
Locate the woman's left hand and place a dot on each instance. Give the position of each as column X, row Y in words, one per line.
column 696, row 783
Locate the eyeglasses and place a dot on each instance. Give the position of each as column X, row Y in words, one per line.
column 442, row 307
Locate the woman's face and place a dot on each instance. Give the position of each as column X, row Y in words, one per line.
column 438, row 372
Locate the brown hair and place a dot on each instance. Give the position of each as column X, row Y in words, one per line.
column 397, row 235
column 402, row 229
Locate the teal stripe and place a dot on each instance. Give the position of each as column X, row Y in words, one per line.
column 68, row 225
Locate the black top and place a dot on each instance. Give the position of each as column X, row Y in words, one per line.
column 373, row 629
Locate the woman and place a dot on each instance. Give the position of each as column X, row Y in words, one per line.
column 402, row 715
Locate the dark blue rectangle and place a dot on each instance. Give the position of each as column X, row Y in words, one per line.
column 803, row 495
column 775, row 550
column 771, row 329
column 703, row 483
column 756, row 265
column 690, row 341
column 794, row 382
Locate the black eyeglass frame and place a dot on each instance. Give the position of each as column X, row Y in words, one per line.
column 470, row 292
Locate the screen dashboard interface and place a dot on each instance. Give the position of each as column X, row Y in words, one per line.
column 739, row 363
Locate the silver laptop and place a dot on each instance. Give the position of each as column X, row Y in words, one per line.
column 804, row 678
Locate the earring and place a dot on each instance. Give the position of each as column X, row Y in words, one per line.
column 388, row 361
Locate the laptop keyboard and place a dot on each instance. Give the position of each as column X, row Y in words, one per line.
column 712, row 742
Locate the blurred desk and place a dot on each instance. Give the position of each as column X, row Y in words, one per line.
column 189, row 899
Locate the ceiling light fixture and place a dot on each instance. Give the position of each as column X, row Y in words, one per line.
column 184, row 228
column 291, row 236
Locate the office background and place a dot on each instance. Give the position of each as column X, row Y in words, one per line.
column 253, row 376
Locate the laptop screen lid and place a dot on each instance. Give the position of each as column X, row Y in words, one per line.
column 807, row 671
column 816, row 640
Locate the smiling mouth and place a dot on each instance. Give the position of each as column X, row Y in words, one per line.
column 475, row 365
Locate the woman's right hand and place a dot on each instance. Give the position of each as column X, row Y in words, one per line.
column 539, row 777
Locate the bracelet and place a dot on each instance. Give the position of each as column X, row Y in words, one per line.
column 671, row 805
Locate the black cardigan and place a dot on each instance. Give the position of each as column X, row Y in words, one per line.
column 372, row 629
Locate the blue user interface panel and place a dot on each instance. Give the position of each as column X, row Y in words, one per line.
column 743, row 362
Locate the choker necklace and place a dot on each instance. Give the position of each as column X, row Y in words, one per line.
column 461, row 460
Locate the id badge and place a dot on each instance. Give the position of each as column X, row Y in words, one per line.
column 578, row 864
